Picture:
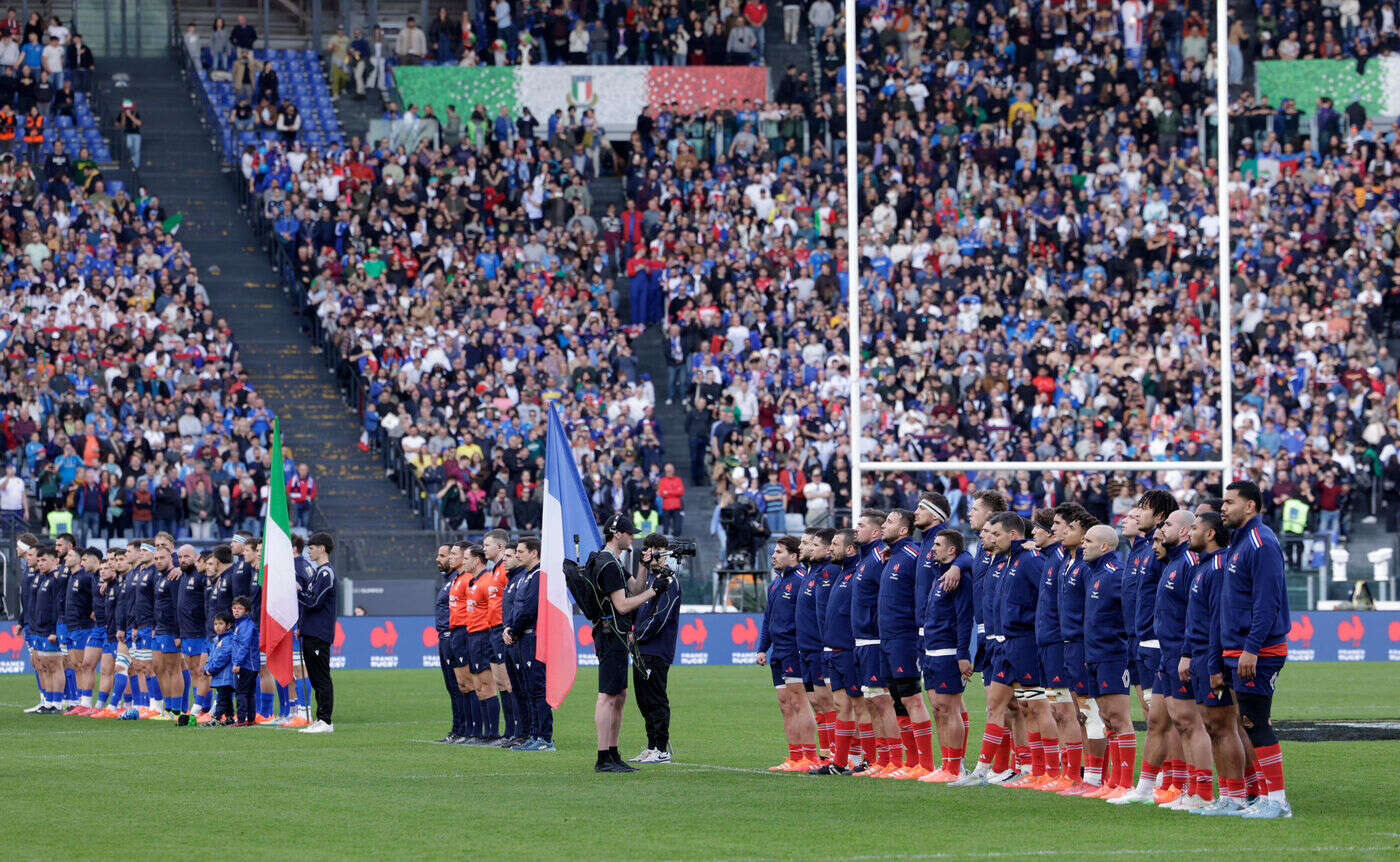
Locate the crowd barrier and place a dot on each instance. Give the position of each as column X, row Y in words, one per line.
column 730, row 639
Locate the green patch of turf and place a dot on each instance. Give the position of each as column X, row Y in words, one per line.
column 377, row 788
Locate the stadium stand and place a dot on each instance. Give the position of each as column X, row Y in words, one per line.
column 127, row 410
column 563, row 235
column 1313, row 141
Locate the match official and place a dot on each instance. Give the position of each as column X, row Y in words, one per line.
column 317, row 600
column 654, row 632
column 522, row 602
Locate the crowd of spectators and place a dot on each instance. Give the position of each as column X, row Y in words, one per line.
column 1316, row 232
column 125, row 410
column 1312, row 29
column 37, row 57
column 466, row 280
column 615, row 32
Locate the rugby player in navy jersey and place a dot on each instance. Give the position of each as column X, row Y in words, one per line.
column 104, row 613
column 79, row 616
column 900, row 643
column 1106, row 643
column 1254, row 623
column 190, row 611
column 1014, row 669
column 1201, row 660
column 166, row 649
column 143, row 620
column 67, row 564
column 777, row 649
column 814, row 555
column 985, row 504
column 1173, row 554
column 1070, row 524
column 948, row 626
column 865, row 629
column 45, row 652
column 839, row 655
column 1049, row 643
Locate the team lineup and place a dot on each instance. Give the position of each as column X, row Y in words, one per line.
column 1061, row 630
column 147, row 631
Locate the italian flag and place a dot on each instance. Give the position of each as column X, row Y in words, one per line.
column 1377, row 87
column 616, row 94
column 279, row 581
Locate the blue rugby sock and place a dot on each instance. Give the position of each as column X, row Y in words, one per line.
column 283, row 706
column 491, row 718
column 185, row 695
column 512, row 714
column 153, row 691
column 264, row 703
column 304, row 692
column 70, row 684
column 118, row 688
column 473, row 715
column 203, row 701
column 39, row 684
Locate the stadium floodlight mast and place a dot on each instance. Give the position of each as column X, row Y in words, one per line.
column 1224, row 465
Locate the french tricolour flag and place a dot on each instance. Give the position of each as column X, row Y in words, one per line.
column 567, row 532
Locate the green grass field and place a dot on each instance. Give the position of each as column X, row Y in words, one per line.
column 377, row 788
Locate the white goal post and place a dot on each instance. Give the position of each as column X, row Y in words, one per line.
column 1224, row 465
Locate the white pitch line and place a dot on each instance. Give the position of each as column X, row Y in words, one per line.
column 1127, row 851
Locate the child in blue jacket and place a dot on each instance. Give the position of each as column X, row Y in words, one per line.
column 245, row 659
column 220, row 667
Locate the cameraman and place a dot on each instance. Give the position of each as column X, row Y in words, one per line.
column 654, row 633
column 618, row 596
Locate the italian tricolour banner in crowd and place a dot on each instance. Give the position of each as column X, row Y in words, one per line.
column 279, row 580
column 1377, row 88
column 567, row 531
column 616, row 94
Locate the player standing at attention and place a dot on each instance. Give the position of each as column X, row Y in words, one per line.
column 1106, row 641
column 929, row 517
column 1015, row 671
column 1069, row 525
column 947, row 626
column 985, row 504
column 865, row 630
column 778, row 636
column 1049, row 643
column 1254, row 624
column 166, row 644
column 105, row 611
column 839, row 653
column 143, row 620
column 1173, row 554
column 900, row 642
column 814, row 555
column 48, row 660
column 190, row 611
column 79, row 615
column 1201, row 660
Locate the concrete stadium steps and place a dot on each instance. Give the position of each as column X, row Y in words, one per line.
column 182, row 169
column 286, row 30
